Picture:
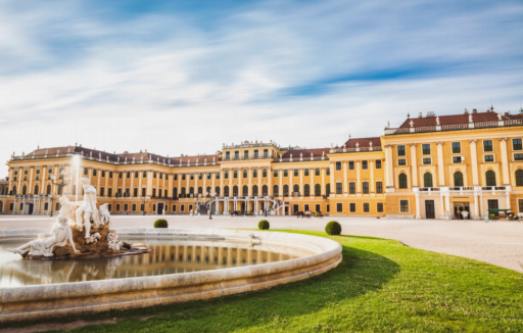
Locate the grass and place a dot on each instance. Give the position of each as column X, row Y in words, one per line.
column 381, row 286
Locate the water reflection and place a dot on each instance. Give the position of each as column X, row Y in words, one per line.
column 163, row 259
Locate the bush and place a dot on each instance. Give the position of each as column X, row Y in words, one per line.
column 333, row 228
column 264, row 225
column 161, row 223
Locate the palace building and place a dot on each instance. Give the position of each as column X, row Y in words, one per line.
column 429, row 167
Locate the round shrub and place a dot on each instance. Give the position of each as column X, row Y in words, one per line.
column 333, row 228
column 264, row 225
column 161, row 223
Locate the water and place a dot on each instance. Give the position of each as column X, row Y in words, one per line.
column 165, row 258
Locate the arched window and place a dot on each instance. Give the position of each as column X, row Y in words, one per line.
column 427, row 180
column 317, row 190
column 245, row 190
column 37, row 190
column 191, row 191
column 200, row 190
column 458, row 179
column 13, row 191
column 235, row 191
column 306, row 190
column 226, row 191
column 519, row 177
column 490, row 178
column 24, row 190
column 265, row 190
column 255, row 190
column 402, row 180
column 285, row 190
column 275, row 190
column 217, row 191
column 296, row 190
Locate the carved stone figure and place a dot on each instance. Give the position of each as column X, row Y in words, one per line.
column 90, row 237
column 61, row 235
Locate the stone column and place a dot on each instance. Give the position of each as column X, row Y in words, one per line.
column 372, row 185
column 504, row 162
column 417, row 202
column 345, row 178
column 413, row 166
column 249, row 181
column 474, row 163
column 301, row 181
column 389, row 179
column 322, row 172
column 358, row 176
column 441, row 165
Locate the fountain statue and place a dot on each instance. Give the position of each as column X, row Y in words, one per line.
column 81, row 230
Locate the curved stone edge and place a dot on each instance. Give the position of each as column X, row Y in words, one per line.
column 55, row 300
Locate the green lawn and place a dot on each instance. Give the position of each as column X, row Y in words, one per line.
column 381, row 286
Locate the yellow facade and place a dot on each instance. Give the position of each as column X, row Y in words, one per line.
column 430, row 167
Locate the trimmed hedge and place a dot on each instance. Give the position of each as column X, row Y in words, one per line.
column 264, row 225
column 161, row 223
column 333, row 228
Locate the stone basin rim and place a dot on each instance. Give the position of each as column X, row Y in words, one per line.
column 326, row 254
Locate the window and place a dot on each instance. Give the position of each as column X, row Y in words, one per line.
column 235, row 174
column 255, row 190
column 489, row 158
column 275, row 190
column 487, row 145
column 306, row 172
column 364, row 164
column 328, row 171
column 265, row 153
column 245, row 154
column 456, row 147
column 457, row 159
column 328, row 189
column 404, row 206
column 352, row 188
column 227, row 155
column 425, row 148
column 490, row 178
column 317, row 190
column 366, row 207
column 316, row 172
column 352, row 207
column 402, row 181
column 351, row 165
column 285, row 190
column 517, row 144
column 492, row 204
column 256, row 153
column 458, row 179
column 275, row 173
column 365, row 187
column 520, row 204
column 379, row 207
column 427, row 180
column 285, row 173
column 338, row 165
column 339, row 188
column 236, row 155
column 401, row 150
column 378, row 164
column 339, row 207
column 264, row 173
column 427, row 161
column 379, row 187
column 519, row 177
column 306, row 190
column 226, row 191
column 402, row 161
column 295, row 173
column 226, row 175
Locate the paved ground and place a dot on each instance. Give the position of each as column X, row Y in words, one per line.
column 498, row 243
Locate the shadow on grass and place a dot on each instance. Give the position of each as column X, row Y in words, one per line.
column 360, row 272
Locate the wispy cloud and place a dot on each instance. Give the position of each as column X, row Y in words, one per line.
column 175, row 77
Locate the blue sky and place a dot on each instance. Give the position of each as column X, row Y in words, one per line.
column 185, row 76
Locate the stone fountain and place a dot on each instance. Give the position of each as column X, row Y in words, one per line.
column 81, row 230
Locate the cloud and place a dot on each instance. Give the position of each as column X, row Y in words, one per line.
column 175, row 79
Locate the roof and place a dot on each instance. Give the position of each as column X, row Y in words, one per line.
column 455, row 119
column 306, row 153
column 374, row 141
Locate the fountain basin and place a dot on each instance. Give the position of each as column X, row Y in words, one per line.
column 307, row 256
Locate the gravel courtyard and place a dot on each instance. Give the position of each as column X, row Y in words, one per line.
column 498, row 243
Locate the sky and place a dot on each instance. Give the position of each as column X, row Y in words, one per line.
column 184, row 77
